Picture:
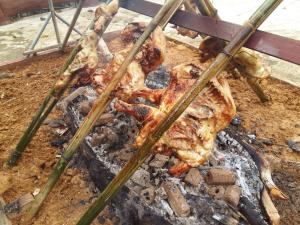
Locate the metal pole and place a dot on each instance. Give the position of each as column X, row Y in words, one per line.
column 65, row 22
column 51, row 7
column 36, row 39
column 76, row 15
column 33, row 51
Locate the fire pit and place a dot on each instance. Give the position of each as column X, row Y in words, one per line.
column 209, row 194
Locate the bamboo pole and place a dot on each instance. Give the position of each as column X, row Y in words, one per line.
column 207, row 9
column 54, row 96
column 220, row 63
column 98, row 108
column 170, row 13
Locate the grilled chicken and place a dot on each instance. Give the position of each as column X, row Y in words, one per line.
column 148, row 59
column 86, row 60
column 192, row 136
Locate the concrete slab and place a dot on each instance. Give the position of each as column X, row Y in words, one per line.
column 15, row 37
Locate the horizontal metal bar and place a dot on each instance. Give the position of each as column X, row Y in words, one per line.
column 280, row 47
column 41, row 49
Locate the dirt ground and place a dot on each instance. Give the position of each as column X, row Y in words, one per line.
column 20, row 96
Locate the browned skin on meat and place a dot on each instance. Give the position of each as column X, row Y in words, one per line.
column 192, row 136
column 152, row 54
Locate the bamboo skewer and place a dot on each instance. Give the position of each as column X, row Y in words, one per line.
column 207, row 9
column 220, row 63
column 98, row 108
column 170, row 13
column 56, row 92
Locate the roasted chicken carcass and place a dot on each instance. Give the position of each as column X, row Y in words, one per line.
column 245, row 60
column 192, row 136
column 152, row 54
column 86, row 60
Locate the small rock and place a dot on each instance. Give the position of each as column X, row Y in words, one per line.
column 42, row 18
column 161, row 193
column 5, row 182
column 29, row 74
column 4, row 75
column 97, row 139
column 148, row 195
column 193, row 177
column 84, row 108
column 176, row 200
column 141, row 177
column 125, row 155
column 216, row 192
column 232, row 195
column 104, row 119
column 293, row 145
column 56, row 123
column 159, row 161
column 268, row 142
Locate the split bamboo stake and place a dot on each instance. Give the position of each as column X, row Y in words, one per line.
column 220, row 63
column 98, row 108
column 207, row 9
column 56, row 92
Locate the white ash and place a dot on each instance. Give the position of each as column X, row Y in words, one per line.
column 202, row 205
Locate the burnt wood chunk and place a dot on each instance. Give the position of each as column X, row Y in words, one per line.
column 219, row 176
column 176, row 200
column 159, row 161
column 194, row 177
column 232, row 195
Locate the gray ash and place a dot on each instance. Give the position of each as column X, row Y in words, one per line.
column 143, row 200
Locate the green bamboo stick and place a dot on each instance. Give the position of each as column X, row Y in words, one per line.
column 220, row 63
column 207, row 9
column 98, row 108
column 49, row 102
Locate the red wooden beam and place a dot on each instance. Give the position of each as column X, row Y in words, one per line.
column 280, row 47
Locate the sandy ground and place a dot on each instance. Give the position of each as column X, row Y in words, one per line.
column 15, row 37
column 74, row 193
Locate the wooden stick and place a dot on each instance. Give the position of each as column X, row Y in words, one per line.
column 207, row 9
column 58, row 90
column 270, row 208
column 220, row 63
column 97, row 110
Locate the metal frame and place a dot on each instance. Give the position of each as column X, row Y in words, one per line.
column 280, row 47
column 52, row 14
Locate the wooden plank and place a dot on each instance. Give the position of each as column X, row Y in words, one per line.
column 280, row 47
